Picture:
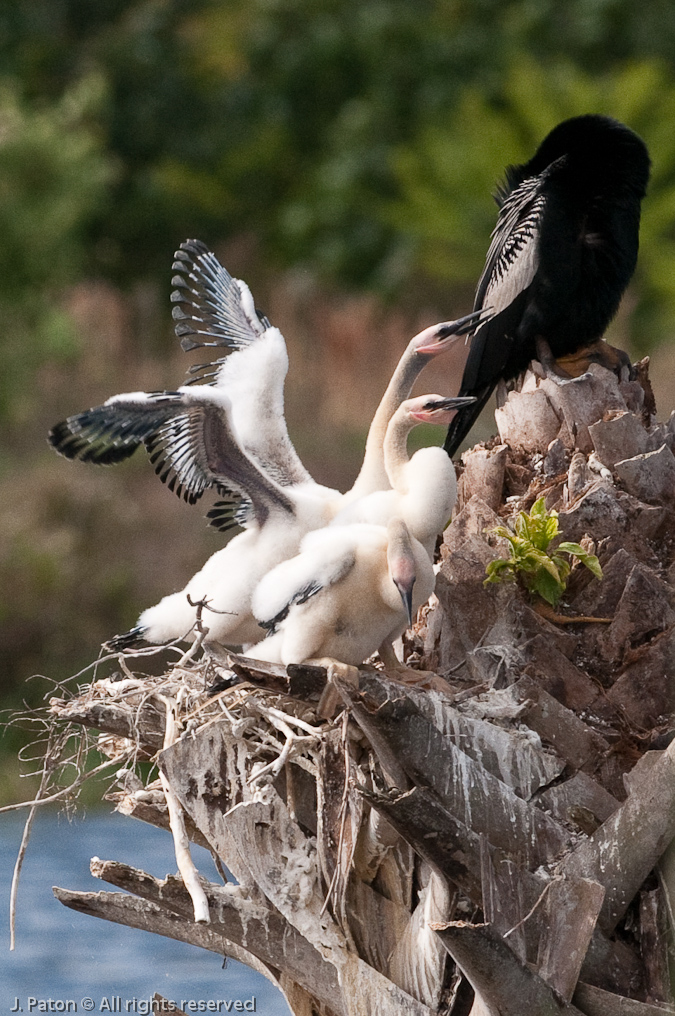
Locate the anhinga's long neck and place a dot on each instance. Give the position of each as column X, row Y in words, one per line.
column 374, row 473
column 396, row 449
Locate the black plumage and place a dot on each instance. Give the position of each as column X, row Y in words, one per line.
column 169, row 425
column 189, row 438
column 234, row 510
column 127, row 640
column 562, row 253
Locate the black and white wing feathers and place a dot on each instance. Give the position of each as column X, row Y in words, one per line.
column 211, row 308
column 170, row 430
column 510, row 269
column 511, row 265
column 301, row 595
column 232, row 511
column 97, row 436
column 513, row 258
column 189, row 439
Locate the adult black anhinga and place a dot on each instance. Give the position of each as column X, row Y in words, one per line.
column 562, row 253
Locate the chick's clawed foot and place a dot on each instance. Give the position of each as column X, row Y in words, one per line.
column 407, row 675
column 398, row 671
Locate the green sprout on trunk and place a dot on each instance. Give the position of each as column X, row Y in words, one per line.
column 542, row 573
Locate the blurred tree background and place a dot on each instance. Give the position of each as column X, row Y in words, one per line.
column 338, row 154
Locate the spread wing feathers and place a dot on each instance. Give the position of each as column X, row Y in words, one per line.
column 112, row 432
column 231, row 512
column 175, row 428
column 176, row 450
column 213, row 309
column 81, row 437
column 210, row 307
column 170, row 429
column 326, row 557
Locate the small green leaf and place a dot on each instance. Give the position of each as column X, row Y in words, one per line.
column 571, row 548
column 541, row 560
column 496, row 571
column 501, row 531
column 552, row 529
column 541, row 573
column 593, row 565
column 548, row 587
column 564, row 567
column 520, row 525
column 538, row 509
column 590, row 560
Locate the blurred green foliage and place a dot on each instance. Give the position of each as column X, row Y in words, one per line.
column 358, row 138
column 53, row 174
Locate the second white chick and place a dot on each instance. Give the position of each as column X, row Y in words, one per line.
column 424, row 487
column 351, row 591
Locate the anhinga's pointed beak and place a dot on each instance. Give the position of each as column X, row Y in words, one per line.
column 406, row 591
column 440, row 410
column 438, row 338
column 454, row 402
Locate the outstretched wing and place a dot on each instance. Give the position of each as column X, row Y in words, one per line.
column 188, row 438
column 210, row 307
column 161, row 421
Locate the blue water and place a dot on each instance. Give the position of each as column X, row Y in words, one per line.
column 62, row 955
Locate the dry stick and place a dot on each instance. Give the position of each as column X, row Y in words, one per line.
column 198, row 626
column 202, row 632
column 295, row 721
column 277, row 764
column 181, row 844
column 17, row 872
column 148, row 651
column 50, row 762
column 61, row 793
column 557, row 878
column 281, row 721
column 544, row 610
column 343, row 814
column 291, row 746
column 47, row 768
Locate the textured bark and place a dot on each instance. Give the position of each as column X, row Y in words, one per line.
column 121, row 908
column 502, row 982
column 572, row 908
column 622, row 852
column 253, row 928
